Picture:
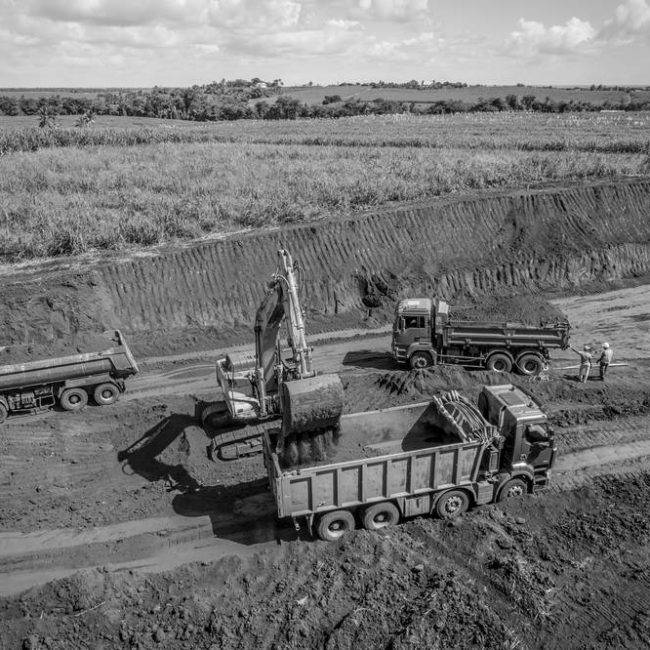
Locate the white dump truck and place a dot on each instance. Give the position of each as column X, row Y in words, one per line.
column 439, row 457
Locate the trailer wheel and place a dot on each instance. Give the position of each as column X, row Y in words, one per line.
column 452, row 504
column 333, row 525
column 515, row 487
column 3, row 412
column 530, row 364
column 420, row 360
column 499, row 362
column 380, row 515
column 73, row 399
column 106, row 394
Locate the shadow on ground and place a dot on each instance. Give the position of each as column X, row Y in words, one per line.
column 244, row 512
column 370, row 359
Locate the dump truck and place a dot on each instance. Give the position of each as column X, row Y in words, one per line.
column 424, row 335
column 67, row 381
column 433, row 458
column 270, row 384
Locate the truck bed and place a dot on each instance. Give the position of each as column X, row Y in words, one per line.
column 376, row 433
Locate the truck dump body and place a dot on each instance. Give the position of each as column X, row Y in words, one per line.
column 35, row 384
column 459, row 332
column 403, row 475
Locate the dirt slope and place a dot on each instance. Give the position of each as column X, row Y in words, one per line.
column 206, row 294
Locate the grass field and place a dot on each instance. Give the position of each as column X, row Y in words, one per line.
column 129, row 182
column 470, row 94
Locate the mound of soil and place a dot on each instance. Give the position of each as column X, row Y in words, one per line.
column 557, row 570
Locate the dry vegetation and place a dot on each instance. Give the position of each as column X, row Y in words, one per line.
column 66, row 190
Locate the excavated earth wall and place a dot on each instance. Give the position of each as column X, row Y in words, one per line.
column 494, row 244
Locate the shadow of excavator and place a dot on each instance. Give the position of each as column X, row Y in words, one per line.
column 244, row 512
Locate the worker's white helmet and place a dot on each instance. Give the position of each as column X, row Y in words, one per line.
column 586, row 347
column 605, row 346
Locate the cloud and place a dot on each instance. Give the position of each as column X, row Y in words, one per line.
column 534, row 38
column 270, row 15
column 116, row 12
column 394, row 10
column 631, row 19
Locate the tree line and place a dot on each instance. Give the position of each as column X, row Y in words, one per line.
column 255, row 99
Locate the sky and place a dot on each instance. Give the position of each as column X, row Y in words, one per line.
column 123, row 43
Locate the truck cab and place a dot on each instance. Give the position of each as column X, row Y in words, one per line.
column 412, row 329
column 528, row 448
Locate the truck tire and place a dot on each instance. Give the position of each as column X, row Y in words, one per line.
column 380, row 515
column 452, row 504
column 515, row 487
column 106, row 394
column 3, row 412
column 530, row 364
column 420, row 360
column 333, row 525
column 499, row 362
column 73, row 399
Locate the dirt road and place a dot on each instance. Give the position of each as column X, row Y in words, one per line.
column 621, row 317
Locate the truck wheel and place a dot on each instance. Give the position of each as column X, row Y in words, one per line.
column 380, row 515
column 3, row 412
column 499, row 362
column 106, row 394
column 515, row 487
column 73, row 399
column 216, row 416
column 420, row 360
column 452, row 504
column 530, row 364
column 333, row 525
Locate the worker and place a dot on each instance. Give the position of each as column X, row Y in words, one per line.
column 604, row 360
column 585, row 363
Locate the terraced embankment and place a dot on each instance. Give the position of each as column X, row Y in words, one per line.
column 207, row 293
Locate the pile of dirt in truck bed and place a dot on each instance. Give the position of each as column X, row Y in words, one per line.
column 464, row 249
column 561, row 569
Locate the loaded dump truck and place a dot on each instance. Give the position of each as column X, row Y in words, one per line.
column 424, row 335
column 439, row 457
column 68, row 381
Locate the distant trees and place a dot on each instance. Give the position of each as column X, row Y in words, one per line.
column 248, row 99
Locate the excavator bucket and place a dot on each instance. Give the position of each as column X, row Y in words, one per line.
column 311, row 412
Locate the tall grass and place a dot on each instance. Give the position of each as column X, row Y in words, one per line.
column 64, row 201
column 596, row 133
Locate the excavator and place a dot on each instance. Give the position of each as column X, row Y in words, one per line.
column 280, row 385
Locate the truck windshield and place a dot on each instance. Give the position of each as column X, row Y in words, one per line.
column 411, row 322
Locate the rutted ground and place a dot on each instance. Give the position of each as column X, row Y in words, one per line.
column 563, row 569
column 130, row 487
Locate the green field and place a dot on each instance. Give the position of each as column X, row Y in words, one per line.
column 130, row 182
